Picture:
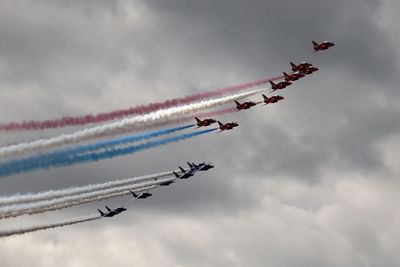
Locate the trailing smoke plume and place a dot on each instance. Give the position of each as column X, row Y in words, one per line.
column 116, row 127
column 138, row 110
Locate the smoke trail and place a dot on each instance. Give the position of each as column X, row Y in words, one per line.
column 66, row 202
column 83, row 201
column 60, row 155
column 158, row 124
column 101, row 117
column 116, row 127
column 48, row 195
column 44, row 162
column 49, row 226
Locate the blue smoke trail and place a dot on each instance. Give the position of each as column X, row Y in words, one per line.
column 45, row 162
column 61, row 154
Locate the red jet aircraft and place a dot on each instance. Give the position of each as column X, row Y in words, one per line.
column 294, row 76
column 322, row 46
column 310, row 70
column 227, row 126
column 245, row 105
column 272, row 99
column 206, row 122
column 279, row 86
column 301, row 67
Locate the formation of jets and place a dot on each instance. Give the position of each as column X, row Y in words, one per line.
column 184, row 174
column 298, row 71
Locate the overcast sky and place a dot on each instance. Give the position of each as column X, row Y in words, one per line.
column 312, row 181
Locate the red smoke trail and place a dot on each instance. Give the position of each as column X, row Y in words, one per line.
column 101, row 117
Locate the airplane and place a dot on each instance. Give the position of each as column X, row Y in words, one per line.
column 272, row 99
column 279, row 86
column 310, row 70
column 245, row 105
column 185, row 174
column 166, row 183
column 201, row 167
column 293, row 77
column 322, row 46
column 110, row 212
column 227, row 126
column 141, row 195
column 300, row 67
column 206, row 122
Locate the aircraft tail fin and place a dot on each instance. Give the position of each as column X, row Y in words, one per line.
column 133, row 194
column 190, row 164
column 272, row 83
column 220, row 124
column 314, row 43
column 265, row 97
column 198, row 120
column 176, row 175
column 108, row 208
column 237, row 103
column 285, row 75
column 182, row 169
column 101, row 213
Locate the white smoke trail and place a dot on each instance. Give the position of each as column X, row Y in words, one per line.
column 49, row 226
column 87, row 200
column 113, row 128
column 65, row 202
column 48, row 195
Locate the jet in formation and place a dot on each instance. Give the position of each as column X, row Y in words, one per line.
column 184, row 174
column 110, row 212
column 300, row 67
column 200, row 167
column 272, row 99
column 166, row 183
column 322, row 46
column 279, row 86
column 227, row 126
column 293, row 76
column 303, row 68
column 205, row 122
column 141, row 195
column 245, row 105
column 193, row 168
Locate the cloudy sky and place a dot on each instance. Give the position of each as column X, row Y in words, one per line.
column 311, row 181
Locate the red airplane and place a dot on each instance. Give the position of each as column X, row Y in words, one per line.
column 300, row 67
column 279, row 86
column 294, row 76
column 245, row 105
column 206, row 122
column 227, row 126
column 310, row 70
column 322, row 46
column 272, row 99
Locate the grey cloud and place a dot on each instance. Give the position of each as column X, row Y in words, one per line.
column 69, row 57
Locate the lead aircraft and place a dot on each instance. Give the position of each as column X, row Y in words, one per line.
column 322, row 46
